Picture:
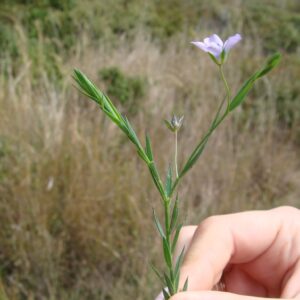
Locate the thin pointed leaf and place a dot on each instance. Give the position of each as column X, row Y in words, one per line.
column 271, row 63
column 158, row 225
column 169, row 284
column 179, row 262
column 176, row 236
column 177, row 268
column 156, row 179
column 131, row 133
column 176, row 282
column 195, row 155
column 160, row 276
column 167, row 253
column 95, row 94
column 185, row 286
column 175, row 213
column 114, row 109
column 168, row 185
column 142, row 155
column 149, row 148
column 90, row 90
column 242, row 93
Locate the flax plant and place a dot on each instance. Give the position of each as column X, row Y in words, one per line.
column 169, row 226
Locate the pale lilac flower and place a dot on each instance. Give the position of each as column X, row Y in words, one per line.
column 215, row 46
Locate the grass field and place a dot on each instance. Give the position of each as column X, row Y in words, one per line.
column 75, row 201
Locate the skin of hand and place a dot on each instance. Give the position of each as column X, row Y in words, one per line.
column 256, row 254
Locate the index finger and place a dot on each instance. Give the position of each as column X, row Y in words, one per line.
column 220, row 240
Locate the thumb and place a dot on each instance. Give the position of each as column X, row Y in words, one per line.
column 213, row 295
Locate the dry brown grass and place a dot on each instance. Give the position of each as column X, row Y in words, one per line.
column 75, row 201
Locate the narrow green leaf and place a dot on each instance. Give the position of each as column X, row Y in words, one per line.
column 177, row 268
column 176, row 236
column 143, row 156
column 156, row 179
column 149, row 148
column 131, row 133
column 168, row 185
column 113, row 108
column 89, row 89
column 158, row 225
column 179, row 262
column 195, row 155
column 157, row 273
column 185, row 286
column 270, row 64
column 176, row 282
column 167, row 253
column 169, row 284
column 242, row 93
column 175, row 213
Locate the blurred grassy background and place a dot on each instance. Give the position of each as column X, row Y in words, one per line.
column 75, row 201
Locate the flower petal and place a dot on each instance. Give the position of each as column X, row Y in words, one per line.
column 215, row 51
column 212, row 44
column 200, row 45
column 214, row 39
column 232, row 41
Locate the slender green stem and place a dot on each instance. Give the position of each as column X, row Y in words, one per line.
column 228, row 93
column 175, row 158
column 216, row 122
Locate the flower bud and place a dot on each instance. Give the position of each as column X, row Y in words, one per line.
column 175, row 123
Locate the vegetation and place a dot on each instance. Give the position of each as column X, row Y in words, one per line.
column 75, row 224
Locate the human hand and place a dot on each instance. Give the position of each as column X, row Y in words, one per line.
column 255, row 254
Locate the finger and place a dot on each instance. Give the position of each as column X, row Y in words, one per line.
column 239, row 282
column 211, row 295
column 291, row 288
column 234, row 238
